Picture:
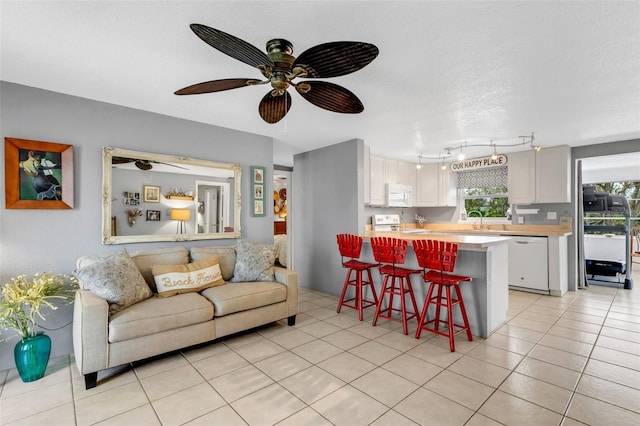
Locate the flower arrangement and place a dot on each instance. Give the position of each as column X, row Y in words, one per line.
column 23, row 300
column 133, row 213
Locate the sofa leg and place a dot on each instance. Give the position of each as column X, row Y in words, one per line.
column 90, row 380
column 291, row 321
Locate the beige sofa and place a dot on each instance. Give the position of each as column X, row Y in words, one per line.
column 158, row 325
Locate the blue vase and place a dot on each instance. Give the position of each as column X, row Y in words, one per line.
column 32, row 356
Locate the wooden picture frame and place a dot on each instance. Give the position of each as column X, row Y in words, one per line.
column 38, row 175
column 151, row 194
column 257, row 191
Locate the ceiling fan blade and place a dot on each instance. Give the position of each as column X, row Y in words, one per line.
column 336, row 58
column 216, row 86
column 273, row 108
column 232, row 46
column 330, row 96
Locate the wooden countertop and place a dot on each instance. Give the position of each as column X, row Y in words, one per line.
column 463, row 241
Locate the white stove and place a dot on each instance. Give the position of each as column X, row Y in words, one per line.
column 385, row 222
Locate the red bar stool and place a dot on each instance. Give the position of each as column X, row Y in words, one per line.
column 350, row 246
column 391, row 252
column 440, row 257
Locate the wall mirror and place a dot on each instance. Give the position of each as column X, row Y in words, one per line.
column 154, row 197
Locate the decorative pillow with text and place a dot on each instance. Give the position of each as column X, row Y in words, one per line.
column 193, row 277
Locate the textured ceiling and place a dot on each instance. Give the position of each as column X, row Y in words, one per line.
column 448, row 72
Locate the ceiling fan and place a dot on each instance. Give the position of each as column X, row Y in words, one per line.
column 141, row 164
column 280, row 68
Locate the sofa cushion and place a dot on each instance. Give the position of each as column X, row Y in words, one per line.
column 238, row 297
column 116, row 279
column 254, row 262
column 226, row 258
column 192, row 277
column 155, row 315
column 145, row 259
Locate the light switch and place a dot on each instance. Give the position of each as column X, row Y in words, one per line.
column 552, row 215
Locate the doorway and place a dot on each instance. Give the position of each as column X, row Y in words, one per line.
column 605, row 243
column 282, row 215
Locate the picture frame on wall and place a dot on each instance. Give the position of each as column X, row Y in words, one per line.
column 151, row 194
column 153, row 215
column 38, row 175
column 257, row 191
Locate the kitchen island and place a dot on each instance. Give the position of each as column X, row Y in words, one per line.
column 484, row 258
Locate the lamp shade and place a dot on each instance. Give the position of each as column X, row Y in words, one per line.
column 180, row 214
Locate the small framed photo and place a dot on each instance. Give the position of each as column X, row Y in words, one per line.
column 258, row 174
column 153, row 215
column 258, row 208
column 151, row 194
column 258, row 191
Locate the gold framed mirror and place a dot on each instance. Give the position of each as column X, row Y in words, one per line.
column 151, row 197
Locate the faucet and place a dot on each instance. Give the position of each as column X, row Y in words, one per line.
column 479, row 215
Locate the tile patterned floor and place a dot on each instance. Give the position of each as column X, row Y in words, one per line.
column 558, row 361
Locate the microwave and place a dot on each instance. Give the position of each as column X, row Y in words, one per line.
column 398, row 195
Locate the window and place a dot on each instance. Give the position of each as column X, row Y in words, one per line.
column 490, row 201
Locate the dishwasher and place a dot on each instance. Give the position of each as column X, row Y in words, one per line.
column 528, row 264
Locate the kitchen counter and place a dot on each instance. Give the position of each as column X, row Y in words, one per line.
column 464, row 241
column 491, row 229
column 484, row 258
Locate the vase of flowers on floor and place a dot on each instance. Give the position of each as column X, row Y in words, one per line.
column 23, row 303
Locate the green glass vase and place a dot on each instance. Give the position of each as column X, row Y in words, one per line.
column 32, row 356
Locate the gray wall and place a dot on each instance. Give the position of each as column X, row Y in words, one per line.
column 51, row 240
column 328, row 197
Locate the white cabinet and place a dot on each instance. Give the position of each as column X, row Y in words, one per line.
column 435, row 187
column 376, row 181
column 400, row 172
column 553, row 175
column 383, row 171
column 540, row 177
column 447, row 188
column 522, row 183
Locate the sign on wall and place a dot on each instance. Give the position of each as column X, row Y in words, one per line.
column 479, row 163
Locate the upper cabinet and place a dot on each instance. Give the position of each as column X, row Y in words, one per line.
column 540, row 177
column 376, row 181
column 435, row 187
column 385, row 170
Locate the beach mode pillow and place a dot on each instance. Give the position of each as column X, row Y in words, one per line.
column 116, row 279
column 254, row 262
column 192, row 277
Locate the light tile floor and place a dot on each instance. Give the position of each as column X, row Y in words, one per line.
column 567, row 360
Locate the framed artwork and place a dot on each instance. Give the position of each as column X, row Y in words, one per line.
column 257, row 193
column 151, row 194
column 38, row 175
column 153, row 215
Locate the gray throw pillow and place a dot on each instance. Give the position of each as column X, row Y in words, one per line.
column 115, row 279
column 254, row 262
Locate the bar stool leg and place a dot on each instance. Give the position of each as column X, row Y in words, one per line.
column 380, row 300
column 403, row 305
column 438, row 304
column 344, row 289
column 425, row 308
column 373, row 289
column 464, row 313
column 412, row 295
column 452, row 340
